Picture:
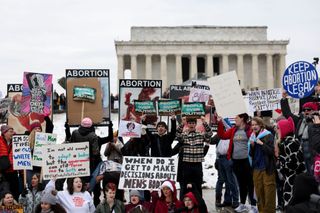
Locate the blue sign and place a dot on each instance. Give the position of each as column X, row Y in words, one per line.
column 299, row 79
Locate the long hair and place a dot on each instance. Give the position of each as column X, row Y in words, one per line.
column 259, row 121
column 32, row 138
column 70, row 185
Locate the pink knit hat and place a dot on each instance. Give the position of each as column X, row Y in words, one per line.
column 34, row 125
column 86, row 122
column 286, row 126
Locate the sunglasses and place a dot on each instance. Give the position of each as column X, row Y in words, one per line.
column 307, row 109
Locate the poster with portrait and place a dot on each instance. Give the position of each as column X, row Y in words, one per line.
column 4, row 109
column 36, row 93
column 88, row 95
column 129, row 129
column 142, row 90
column 19, row 121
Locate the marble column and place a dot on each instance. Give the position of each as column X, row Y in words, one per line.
column 209, row 66
column 133, row 67
column 193, row 67
column 179, row 78
column 163, row 71
column 240, row 70
column 225, row 63
column 148, row 67
column 282, row 68
column 120, row 67
column 270, row 77
column 255, row 71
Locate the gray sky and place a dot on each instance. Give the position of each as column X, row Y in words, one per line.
column 50, row 36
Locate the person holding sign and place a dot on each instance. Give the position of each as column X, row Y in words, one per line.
column 6, row 155
column 238, row 156
column 193, row 150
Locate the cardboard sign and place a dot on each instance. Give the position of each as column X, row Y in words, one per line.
column 66, row 160
column 193, row 109
column 22, row 158
column 167, row 107
column 88, row 95
column 263, row 100
column 227, row 95
column 36, row 93
column 299, row 79
column 145, row 107
column 129, row 129
column 144, row 173
column 41, row 140
column 199, row 93
column 4, row 109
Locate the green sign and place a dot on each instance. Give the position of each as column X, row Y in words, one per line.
column 196, row 109
column 144, row 107
column 84, row 94
column 167, row 107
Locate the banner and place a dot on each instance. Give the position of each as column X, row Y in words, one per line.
column 36, row 93
column 129, row 129
column 88, row 95
column 199, row 93
column 22, row 158
column 4, row 109
column 263, row 100
column 145, row 173
column 41, row 140
column 66, row 160
column 167, row 107
column 193, row 109
column 142, row 90
column 227, row 95
column 299, row 79
column 145, row 107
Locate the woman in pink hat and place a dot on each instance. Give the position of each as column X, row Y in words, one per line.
column 290, row 157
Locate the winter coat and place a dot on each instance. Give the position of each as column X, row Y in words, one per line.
column 104, row 207
column 144, row 207
column 30, row 201
column 314, row 142
column 6, row 150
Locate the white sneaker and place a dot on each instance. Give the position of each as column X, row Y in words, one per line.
column 241, row 208
column 253, row 209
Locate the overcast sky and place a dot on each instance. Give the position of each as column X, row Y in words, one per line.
column 49, row 36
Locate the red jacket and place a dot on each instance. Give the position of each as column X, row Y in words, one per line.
column 229, row 134
column 4, row 149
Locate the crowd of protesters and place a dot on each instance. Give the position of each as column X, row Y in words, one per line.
column 254, row 161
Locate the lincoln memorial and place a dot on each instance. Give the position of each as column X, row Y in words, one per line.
column 178, row 54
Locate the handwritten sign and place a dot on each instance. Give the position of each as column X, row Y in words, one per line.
column 22, row 158
column 196, row 109
column 144, row 173
column 145, row 107
column 129, row 129
column 66, row 160
column 167, row 107
column 299, row 79
column 227, row 95
column 199, row 93
column 42, row 139
column 263, row 100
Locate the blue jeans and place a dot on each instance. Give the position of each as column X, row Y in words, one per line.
column 220, row 181
column 231, row 194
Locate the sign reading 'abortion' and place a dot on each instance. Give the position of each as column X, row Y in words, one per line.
column 299, row 79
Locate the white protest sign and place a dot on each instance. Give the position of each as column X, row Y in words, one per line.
column 199, row 93
column 129, row 129
column 227, row 95
column 144, row 173
column 21, row 152
column 66, row 160
column 42, row 139
column 263, row 100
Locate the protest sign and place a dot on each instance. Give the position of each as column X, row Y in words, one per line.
column 88, row 95
column 145, row 107
column 299, row 79
column 142, row 90
column 167, row 107
column 263, row 100
column 4, row 109
column 199, row 93
column 41, row 140
column 129, row 129
column 227, row 95
column 22, row 158
column 144, row 173
column 193, row 109
column 36, row 93
column 66, row 160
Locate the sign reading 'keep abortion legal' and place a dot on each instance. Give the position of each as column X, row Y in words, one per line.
column 299, row 79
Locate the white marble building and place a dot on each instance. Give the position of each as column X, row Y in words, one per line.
column 177, row 54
